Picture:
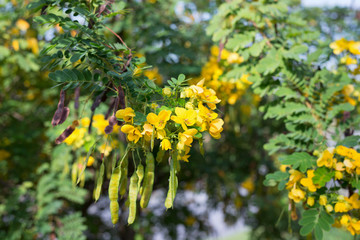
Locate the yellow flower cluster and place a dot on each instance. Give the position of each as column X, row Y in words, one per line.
column 344, row 45
column 176, row 127
column 344, row 164
column 23, row 37
column 80, row 135
column 229, row 90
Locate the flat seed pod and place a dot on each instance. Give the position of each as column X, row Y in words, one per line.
column 133, row 193
column 148, row 180
column 160, row 155
column 114, row 184
column 114, row 211
column 140, row 173
column 99, row 182
column 124, row 177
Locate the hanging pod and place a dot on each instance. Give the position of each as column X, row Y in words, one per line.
column 133, row 193
column 148, row 180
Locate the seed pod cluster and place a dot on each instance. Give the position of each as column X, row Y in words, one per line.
column 113, row 194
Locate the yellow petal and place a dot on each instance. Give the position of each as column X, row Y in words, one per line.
column 127, row 128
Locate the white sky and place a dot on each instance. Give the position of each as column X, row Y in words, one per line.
column 331, row 3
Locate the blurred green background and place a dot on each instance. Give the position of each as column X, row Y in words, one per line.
column 219, row 193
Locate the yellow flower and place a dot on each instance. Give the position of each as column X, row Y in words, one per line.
column 154, row 105
column 159, row 121
column 165, row 144
column 325, row 159
column 153, row 74
column 296, row 194
column 148, row 131
column 166, row 91
column 295, row 177
column 248, row 184
column 339, row 46
column 206, row 113
column 354, row 47
column 189, row 105
column 32, row 44
column 307, row 182
column 186, row 138
column 185, row 156
column 310, row 201
column 106, row 149
column 90, row 162
column 160, row 134
column 351, row 224
column 338, row 175
column 22, row 24
column 216, row 128
column 234, row 58
column 184, row 117
column 345, row 219
column 127, row 114
column 322, row 200
column 244, row 79
column 329, row 208
column 348, row 60
column 209, row 96
column 15, row 45
column 133, row 134
column 85, row 122
column 342, row 205
column 354, row 227
column 76, row 138
column 100, row 124
column 354, row 201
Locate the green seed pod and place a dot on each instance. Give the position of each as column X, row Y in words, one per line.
column 201, row 144
column 152, row 139
column 140, row 174
column 148, row 180
column 74, row 171
column 124, row 175
column 133, row 193
column 173, row 182
column 99, row 182
column 82, row 181
column 160, row 155
column 114, row 184
column 114, row 210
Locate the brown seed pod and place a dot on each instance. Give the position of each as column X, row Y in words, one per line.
column 64, row 115
column 76, row 100
column 59, row 111
column 66, row 133
column 112, row 121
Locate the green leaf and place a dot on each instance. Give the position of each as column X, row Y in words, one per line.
column 256, row 48
column 322, row 176
column 299, row 160
column 350, row 141
column 318, row 233
column 268, row 65
column 295, row 52
column 272, row 178
column 239, row 41
column 306, row 229
column 139, row 118
column 76, row 57
column 339, row 108
column 355, row 183
column 181, row 78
